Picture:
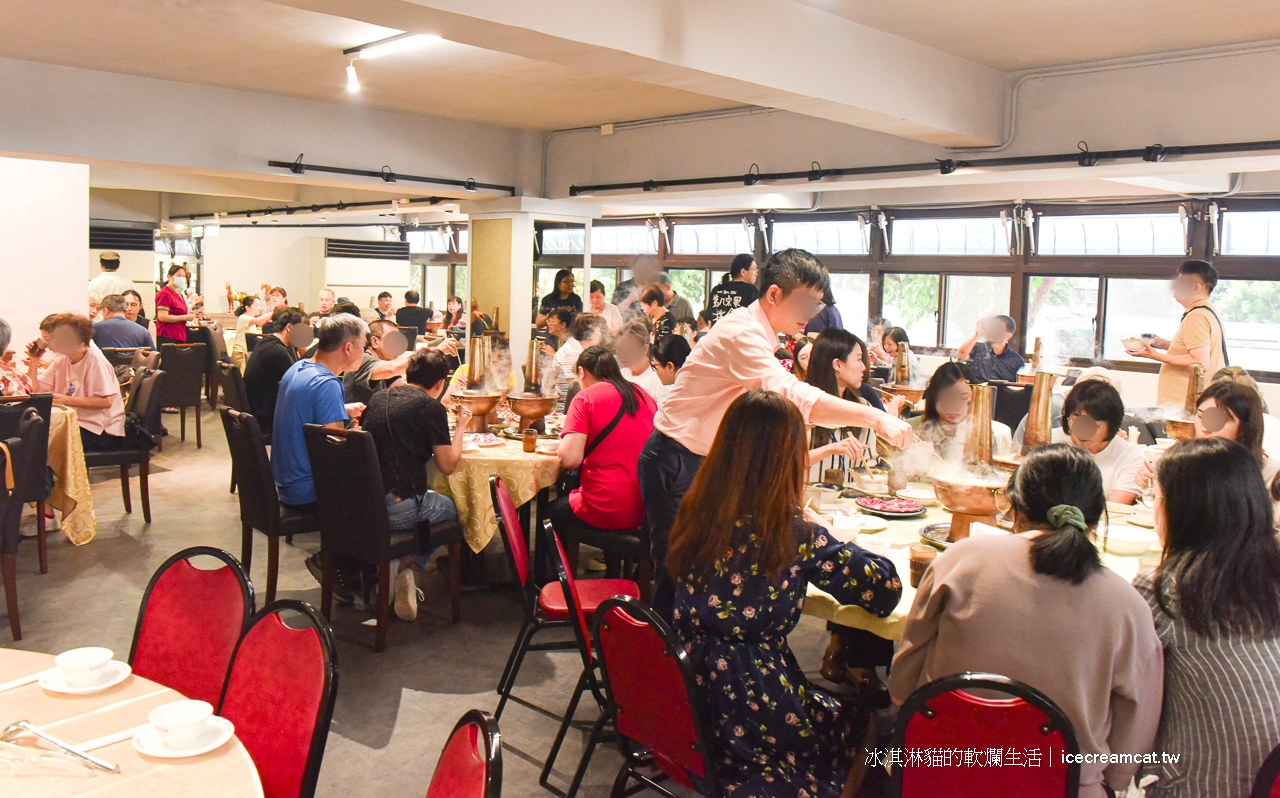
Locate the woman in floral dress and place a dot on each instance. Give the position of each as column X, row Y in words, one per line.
column 741, row 555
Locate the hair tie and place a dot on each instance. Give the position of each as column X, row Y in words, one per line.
column 1061, row 515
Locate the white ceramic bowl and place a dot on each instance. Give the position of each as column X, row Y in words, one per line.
column 1116, row 508
column 180, row 723
column 846, row 523
column 1165, row 443
column 1132, row 344
column 1129, row 540
column 923, row 496
column 81, row 667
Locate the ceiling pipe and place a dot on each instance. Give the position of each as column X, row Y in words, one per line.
column 387, row 176
column 289, row 210
column 1083, row 156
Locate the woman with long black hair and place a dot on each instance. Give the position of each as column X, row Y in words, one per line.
column 1216, row 601
column 561, row 296
column 946, row 412
column 1039, row 607
column 741, row 554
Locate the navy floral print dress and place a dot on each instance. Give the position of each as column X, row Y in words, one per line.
column 778, row 736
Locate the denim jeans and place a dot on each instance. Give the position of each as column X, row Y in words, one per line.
column 405, row 514
column 666, row 470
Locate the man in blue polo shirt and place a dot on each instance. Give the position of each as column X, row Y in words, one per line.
column 992, row 359
column 115, row 329
column 311, row 393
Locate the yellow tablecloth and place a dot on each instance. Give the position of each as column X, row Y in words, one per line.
column 71, row 494
column 468, row 486
column 228, row 771
column 899, row 536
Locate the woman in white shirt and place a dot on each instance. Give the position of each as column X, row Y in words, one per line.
column 249, row 314
column 1091, row 416
column 632, row 348
column 598, row 306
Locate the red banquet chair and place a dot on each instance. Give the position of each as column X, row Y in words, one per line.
column 1267, row 783
column 189, row 623
column 470, row 765
column 945, row 716
column 577, row 600
column 279, row 694
column 653, row 701
column 545, row 608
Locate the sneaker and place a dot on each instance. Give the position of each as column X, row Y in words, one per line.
column 341, row 591
column 407, row 595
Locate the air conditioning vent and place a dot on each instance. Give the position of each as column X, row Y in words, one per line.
column 122, row 238
column 378, row 250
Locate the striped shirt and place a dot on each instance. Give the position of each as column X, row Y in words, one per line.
column 1221, row 708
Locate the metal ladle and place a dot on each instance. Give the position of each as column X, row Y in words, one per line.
column 23, row 726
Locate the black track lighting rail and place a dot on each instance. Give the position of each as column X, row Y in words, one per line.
column 1082, row 157
column 289, row 210
column 387, row 176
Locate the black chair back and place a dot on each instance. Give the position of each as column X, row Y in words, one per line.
column 30, row 472
column 1013, row 402
column 255, row 484
column 185, row 365
column 218, row 341
column 119, row 356
column 10, row 505
column 145, row 358
column 234, row 394
column 144, row 398
column 351, row 502
column 251, row 341
column 411, row 334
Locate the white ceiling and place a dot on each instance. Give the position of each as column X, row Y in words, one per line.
column 1011, row 35
column 264, row 47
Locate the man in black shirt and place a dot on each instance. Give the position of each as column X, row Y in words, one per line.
column 737, row 290
column 992, row 359
column 270, row 359
column 409, row 427
column 411, row 315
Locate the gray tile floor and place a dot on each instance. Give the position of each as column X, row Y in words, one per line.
column 394, row 709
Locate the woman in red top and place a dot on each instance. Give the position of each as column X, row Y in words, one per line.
column 172, row 313
column 609, row 498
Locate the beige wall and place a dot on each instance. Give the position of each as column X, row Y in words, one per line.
column 491, row 267
column 44, row 234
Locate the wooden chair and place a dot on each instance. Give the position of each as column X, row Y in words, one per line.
column 32, row 477
column 32, row 429
column 470, row 765
column 351, row 504
column 144, row 402
column 189, row 623
column 218, row 354
column 185, row 366
column 260, row 506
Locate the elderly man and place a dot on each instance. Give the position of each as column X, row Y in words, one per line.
column 1199, row 339
column 108, row 282
column 627, row 295
column 327, row 300
column 992, row 359
column 115, row 330
column 678, row 305
column 735, row 357
column 385, row 360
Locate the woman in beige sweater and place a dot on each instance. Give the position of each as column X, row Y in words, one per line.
column 1039, row 607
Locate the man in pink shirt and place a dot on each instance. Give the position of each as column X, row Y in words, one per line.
column 735, row 357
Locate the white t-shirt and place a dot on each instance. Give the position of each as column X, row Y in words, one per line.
column 1119, row 463
column 108, row 283
column 648, row 379
column 567, row 358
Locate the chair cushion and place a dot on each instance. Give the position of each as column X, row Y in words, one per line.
column 116, row 457
column 623, row 542
column 591, row 592
column 293, row 522
column 446, row 532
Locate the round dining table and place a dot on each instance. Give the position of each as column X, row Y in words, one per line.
column 75, row 719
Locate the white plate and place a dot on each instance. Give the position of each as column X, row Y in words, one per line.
column 116, row 673
column 1116, row 508
column 147, row 740
column 919, row 495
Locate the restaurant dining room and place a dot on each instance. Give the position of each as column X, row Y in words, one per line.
column 767, row 399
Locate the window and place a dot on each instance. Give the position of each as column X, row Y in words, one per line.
column 692, row 285
column 183, row 246
column 1135, row 307
column 948, row 237
column 563, row 240
column 851, row 292
column 911, row 302
column 713, row 239
column 821, row 238
column 609, row 278
column 632, row 239
column 1062, row 312
column 460, row 282
column 1250, row 313
column 437, row 286
column 464, row 239
column 1124, row 234
column 1251, row 233
column 162, row 247
column 970, row 298
column 547, row 281
column 433, row 240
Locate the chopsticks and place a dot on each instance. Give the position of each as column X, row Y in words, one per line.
column 88, row 759
column 22, row 680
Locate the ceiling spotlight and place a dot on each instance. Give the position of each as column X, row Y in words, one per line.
column 391, row 44
column 947, row 166
column 178, row 226
column 1153, row 154
column 1086, row 158
column 353, row 82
